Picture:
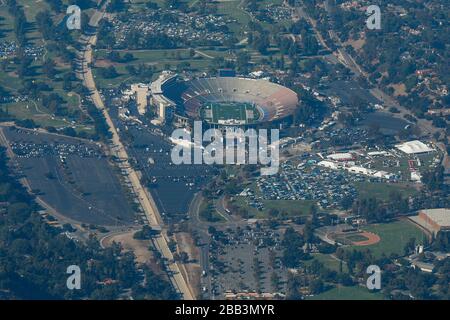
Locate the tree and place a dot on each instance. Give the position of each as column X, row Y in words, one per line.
column 109, row 72
column 316, row 286
column 49, row 68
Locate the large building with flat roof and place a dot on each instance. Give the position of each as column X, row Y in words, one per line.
column 414, row 147
column 434, row 220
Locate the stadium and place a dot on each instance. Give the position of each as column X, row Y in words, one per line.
column 230, row 101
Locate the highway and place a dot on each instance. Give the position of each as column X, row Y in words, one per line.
column 118, row 149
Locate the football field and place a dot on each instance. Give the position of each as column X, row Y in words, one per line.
column 241, row 113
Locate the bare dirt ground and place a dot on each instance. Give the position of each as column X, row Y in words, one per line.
column 356, row 44
column 139, row 247
column 186, row 244
column 400, row 89
column 372, row 238
column 102, row 63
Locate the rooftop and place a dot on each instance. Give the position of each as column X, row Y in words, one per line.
column 415, row 146
column 440, row 216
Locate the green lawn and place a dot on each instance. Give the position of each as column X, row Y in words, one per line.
column 394, row 237
column 6, row 25
column 227, row 111
column 347, row 293
column 328, row 261
column 293, row 208
column 232, row 9
column 214, row 215
column 159, row 59
column 382, row 190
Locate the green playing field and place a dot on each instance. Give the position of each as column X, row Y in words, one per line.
column 240, row 112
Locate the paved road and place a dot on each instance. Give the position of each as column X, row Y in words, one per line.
column 119, row 150
column 202, row 230
column 348, row 61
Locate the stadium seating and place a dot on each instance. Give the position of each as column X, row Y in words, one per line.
column 273, row 101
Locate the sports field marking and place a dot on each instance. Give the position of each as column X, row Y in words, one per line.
column 372, row 238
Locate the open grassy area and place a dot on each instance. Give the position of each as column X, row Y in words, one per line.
column 292, row 208
column 286, row 208
column 159, row 60
column 208, row 213
column 328, row 261
column 232, row 9
column 41, row 116
column 347, row 293
column 34, row 109
column 227, row 111
column 382, row 190
column 6, row 25
column 394, row 237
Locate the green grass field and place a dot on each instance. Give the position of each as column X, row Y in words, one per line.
column 382, row 190
column 173, row 59
column 350, row 238
column 347, row 293
column 216, row 112
column 293, row 208
column 328, row 261
column 34, row 109
column 394, row 237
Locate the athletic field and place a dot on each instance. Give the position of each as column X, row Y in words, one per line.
column 234, row 113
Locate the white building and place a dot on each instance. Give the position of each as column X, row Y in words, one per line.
column 341, row 156
column 141, row 91
column 413, row 147
column 162, row 104
column 328, row 164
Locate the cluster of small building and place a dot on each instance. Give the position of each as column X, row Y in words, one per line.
column 14, row 98
column 273, row 12
column 174, row 24
column 147, row 96
column 345, row 161
column 9, row 49
column 348, row 161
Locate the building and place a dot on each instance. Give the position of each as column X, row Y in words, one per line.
column 346, row 156
column 328, row 164
column 434, row 220
column 361, row 170
column 164, row 107
column 413, row 147
column 141, row 92
column 223, row 102
column 416, row 176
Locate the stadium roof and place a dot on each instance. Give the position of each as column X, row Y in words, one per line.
column 439, row 216
column 156, row 86
column 412, row 147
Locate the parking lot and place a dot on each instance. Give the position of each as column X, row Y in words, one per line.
column 172, row 186
column 245, row 260
column 304, row 181
column 72, row 176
